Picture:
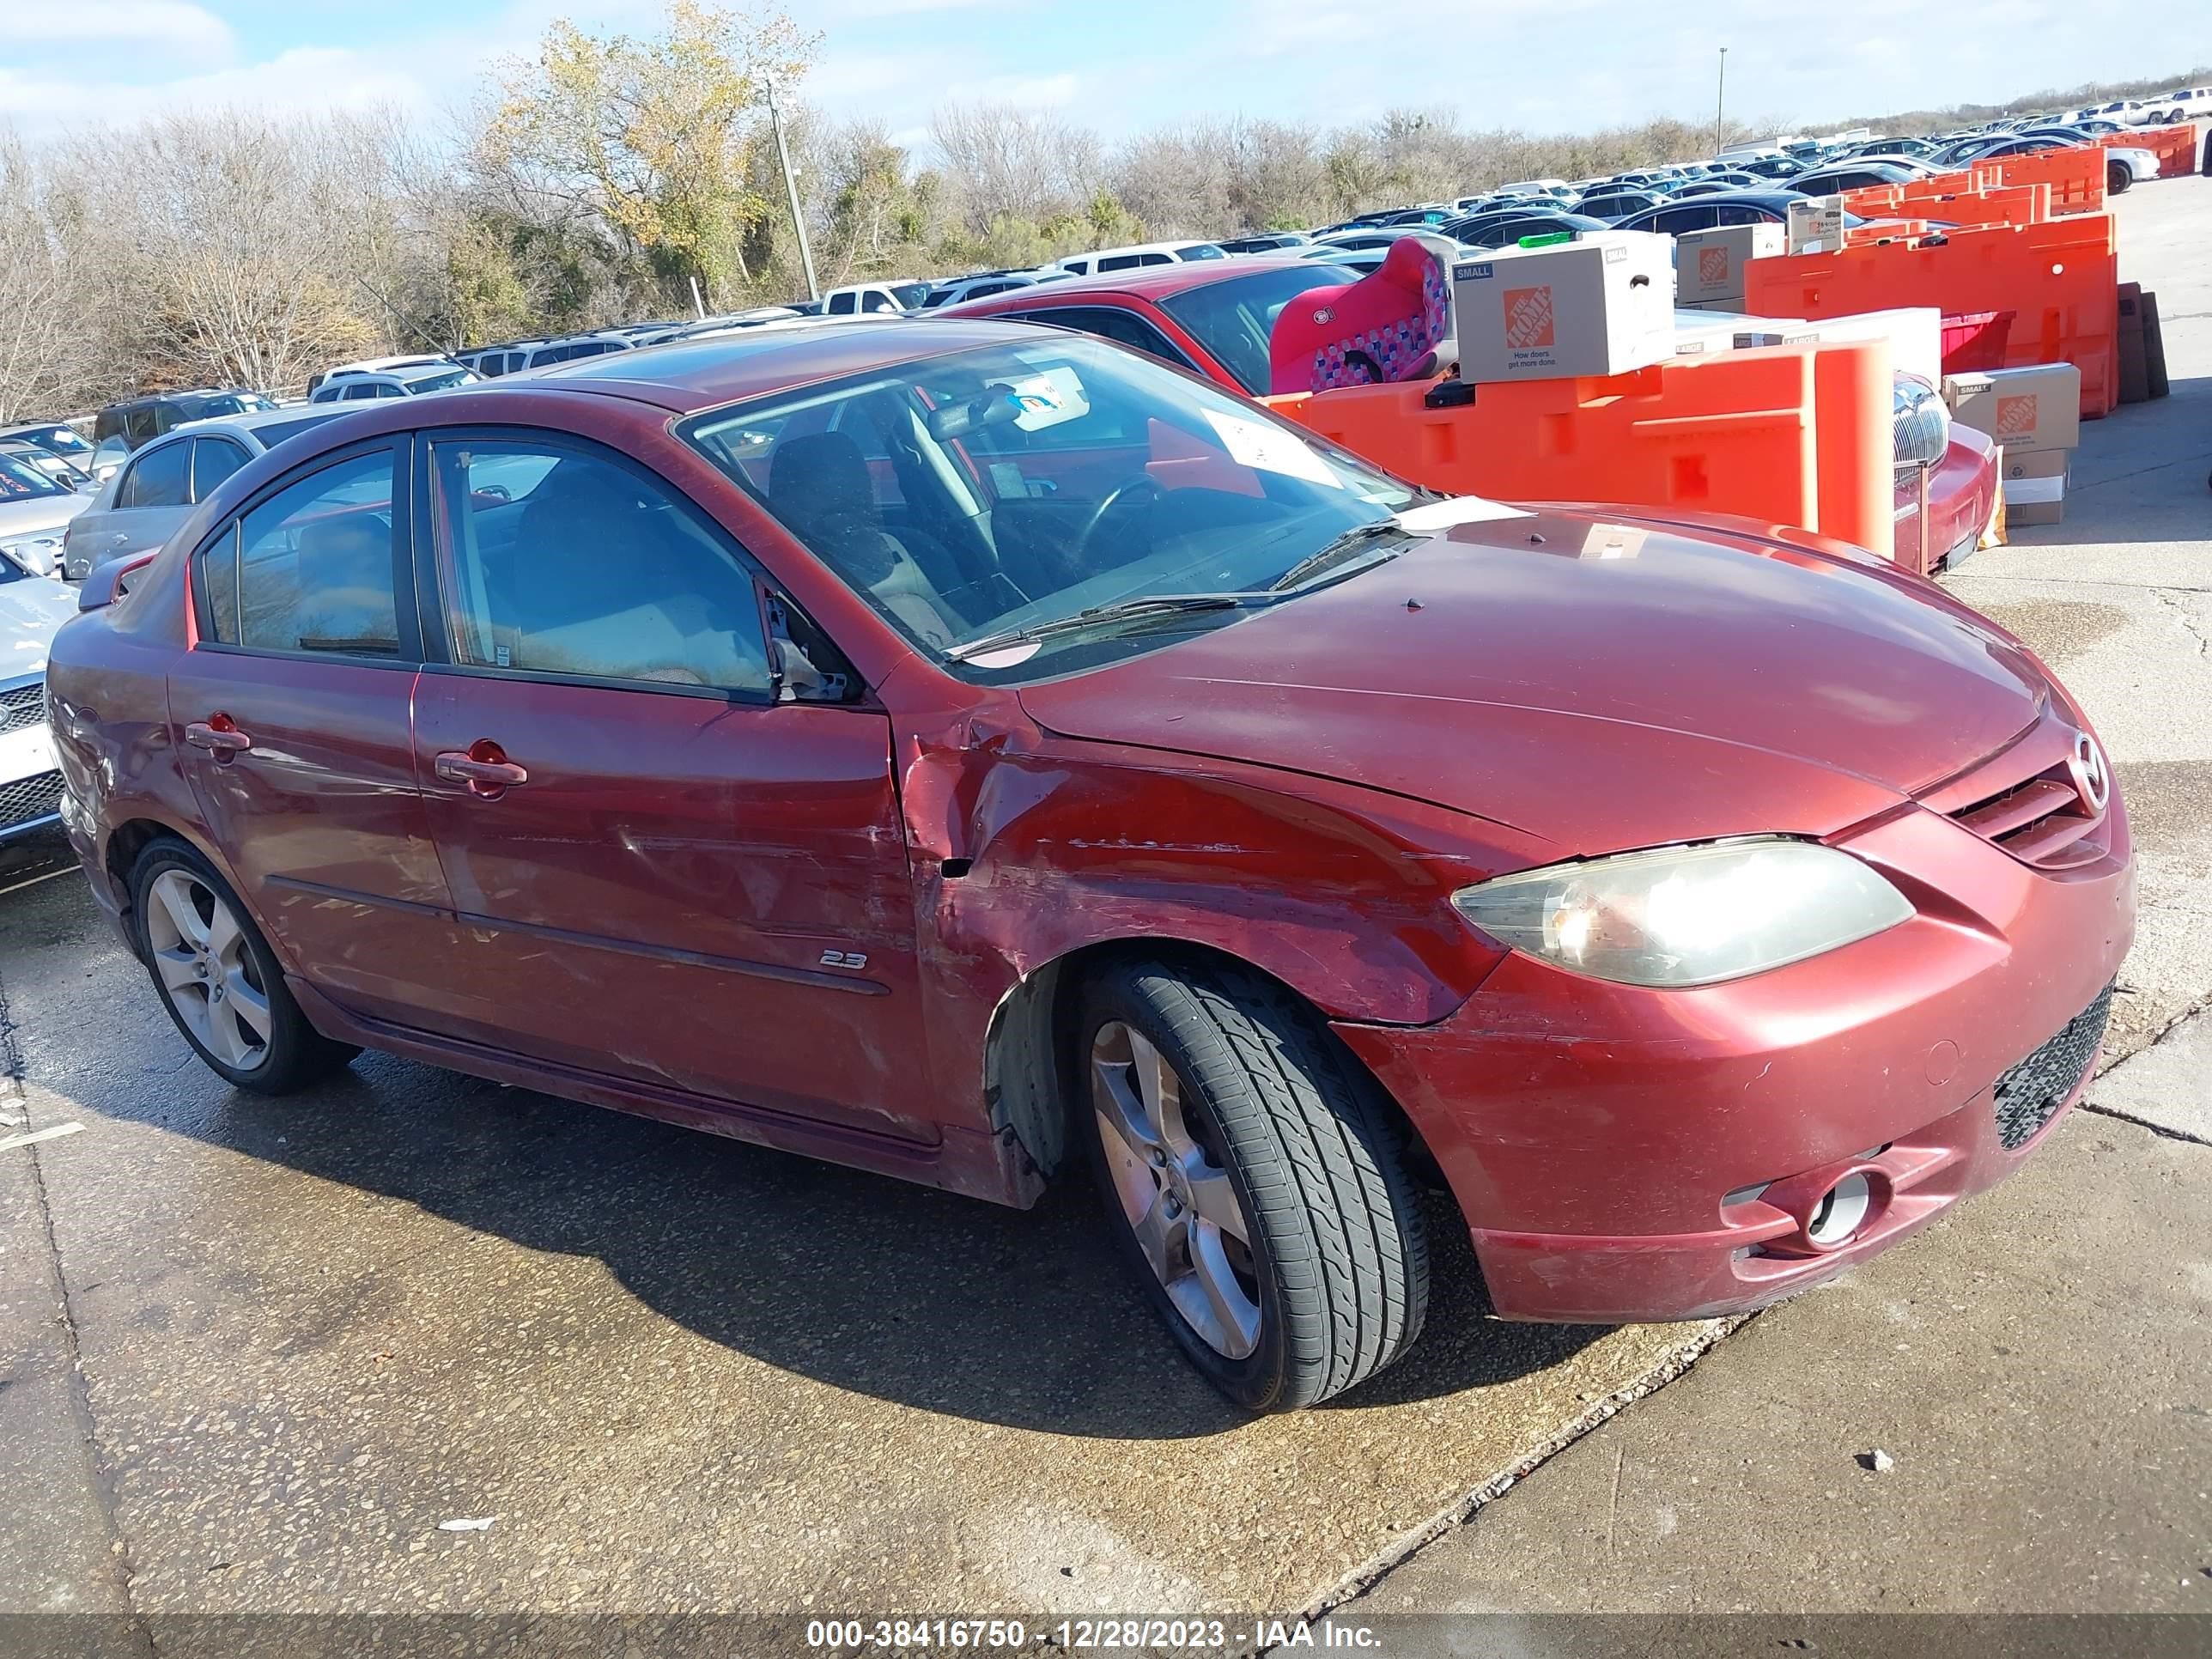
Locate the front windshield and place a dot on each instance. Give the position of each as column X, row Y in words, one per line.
column 21, row 482
column 911, row 296
column 438, row 381
column 1234, row 320
column 1002, row 487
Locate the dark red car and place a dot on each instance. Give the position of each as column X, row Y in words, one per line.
column 963, row 750
column 1214, row 320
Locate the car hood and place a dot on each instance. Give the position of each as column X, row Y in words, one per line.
column 32, row 612
column 39, row 513
column 1599, row 682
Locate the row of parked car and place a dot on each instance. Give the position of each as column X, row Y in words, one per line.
column 66, row 504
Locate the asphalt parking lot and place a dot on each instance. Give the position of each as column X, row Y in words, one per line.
column 253, row 1353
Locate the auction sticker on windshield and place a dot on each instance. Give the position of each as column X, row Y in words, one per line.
column 1267, row 449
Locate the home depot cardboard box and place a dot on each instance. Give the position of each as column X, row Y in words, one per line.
column 1696, row 339
column 1709, row 263
column 1816, row 225
column 2023, row 409
column 2035, row 483
column 1602, row 304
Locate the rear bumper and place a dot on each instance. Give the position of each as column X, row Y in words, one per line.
column 1624, row 1154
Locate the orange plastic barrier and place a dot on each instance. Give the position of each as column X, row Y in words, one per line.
column 2175, row 146
column 2060, row 279
column 2002, row 205
column 1796, row 434
column 2077, row 176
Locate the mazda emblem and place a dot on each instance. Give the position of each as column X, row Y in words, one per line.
column 2089, row 774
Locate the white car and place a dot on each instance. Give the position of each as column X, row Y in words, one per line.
column 1101, row 260
column 390, row 377
column 35, row 510
column 31, row 610
column 893, row 298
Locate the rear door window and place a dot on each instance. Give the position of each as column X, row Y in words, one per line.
column 310, row 569
column 158, row 478
column 214, row 459
column 1110, row 323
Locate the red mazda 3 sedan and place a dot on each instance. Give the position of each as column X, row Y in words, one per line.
column 965, row 750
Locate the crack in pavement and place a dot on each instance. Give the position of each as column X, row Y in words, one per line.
column 12, row 1091
column 2164, row 596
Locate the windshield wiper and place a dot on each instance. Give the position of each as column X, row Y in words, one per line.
column 1100, row 615
column 1333, row 553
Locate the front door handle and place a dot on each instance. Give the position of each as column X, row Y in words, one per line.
column 483, row 766
column 218, row 735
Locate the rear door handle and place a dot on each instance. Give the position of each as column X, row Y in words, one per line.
column 484, row 767
column 218, row 736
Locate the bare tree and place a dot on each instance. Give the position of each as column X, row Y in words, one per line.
column 1005, row 161
column 44, row 350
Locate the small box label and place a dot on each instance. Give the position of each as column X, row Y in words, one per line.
column 1470, row 273
column 2015, row 416
column 1528, row 319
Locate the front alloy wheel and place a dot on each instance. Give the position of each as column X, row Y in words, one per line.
column 1166, row 1171
column 1254, row 1178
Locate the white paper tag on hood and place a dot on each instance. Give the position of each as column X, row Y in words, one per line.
column 1460, row 509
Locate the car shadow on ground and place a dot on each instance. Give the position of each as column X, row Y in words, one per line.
column 1025, row 1319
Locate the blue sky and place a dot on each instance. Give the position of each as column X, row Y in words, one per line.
column 1121, row 65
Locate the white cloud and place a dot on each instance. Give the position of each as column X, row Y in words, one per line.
column 300, row 81
column 164, row 26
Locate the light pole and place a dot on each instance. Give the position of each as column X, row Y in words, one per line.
column 1720, row 95
column 790, row 193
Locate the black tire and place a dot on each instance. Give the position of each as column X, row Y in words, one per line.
column 1338, row 1251
column 2118, row 177
column 294, row 1054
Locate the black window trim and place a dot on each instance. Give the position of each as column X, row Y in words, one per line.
column 431, row 601
column 404, row 611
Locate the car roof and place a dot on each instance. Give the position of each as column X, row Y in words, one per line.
column 1153, row 283
column 251, row 422
column 688, row 376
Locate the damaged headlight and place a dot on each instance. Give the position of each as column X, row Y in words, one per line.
column 1678, row 916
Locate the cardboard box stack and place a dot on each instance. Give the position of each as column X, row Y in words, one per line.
column 1709, row 263
column 2035, row 415
column 1602, row 304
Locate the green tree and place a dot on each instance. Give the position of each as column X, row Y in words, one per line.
column 654, row 137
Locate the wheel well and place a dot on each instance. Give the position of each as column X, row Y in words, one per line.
column 1028, row 1082
column 126, row 845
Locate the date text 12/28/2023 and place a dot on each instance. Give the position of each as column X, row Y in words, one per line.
column 1107, row 1635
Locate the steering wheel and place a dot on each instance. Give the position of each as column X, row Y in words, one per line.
column 1143, row 483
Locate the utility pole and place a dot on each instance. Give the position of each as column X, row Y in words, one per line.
column 1720, row 96
column 790, row 193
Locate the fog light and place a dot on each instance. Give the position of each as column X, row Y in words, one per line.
column 1841, row 1212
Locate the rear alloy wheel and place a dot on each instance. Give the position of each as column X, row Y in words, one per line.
column 2118, row 177
column 1254, row 1176
column 219, row 979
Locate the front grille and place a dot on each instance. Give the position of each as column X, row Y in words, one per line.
column 23, row 705
column 2029, row 1093
column 27, row 799
column 2026, row 801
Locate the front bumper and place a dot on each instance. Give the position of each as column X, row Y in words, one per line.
column 1625, row 1154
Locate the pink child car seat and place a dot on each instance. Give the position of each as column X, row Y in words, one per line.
column 1388, row 325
